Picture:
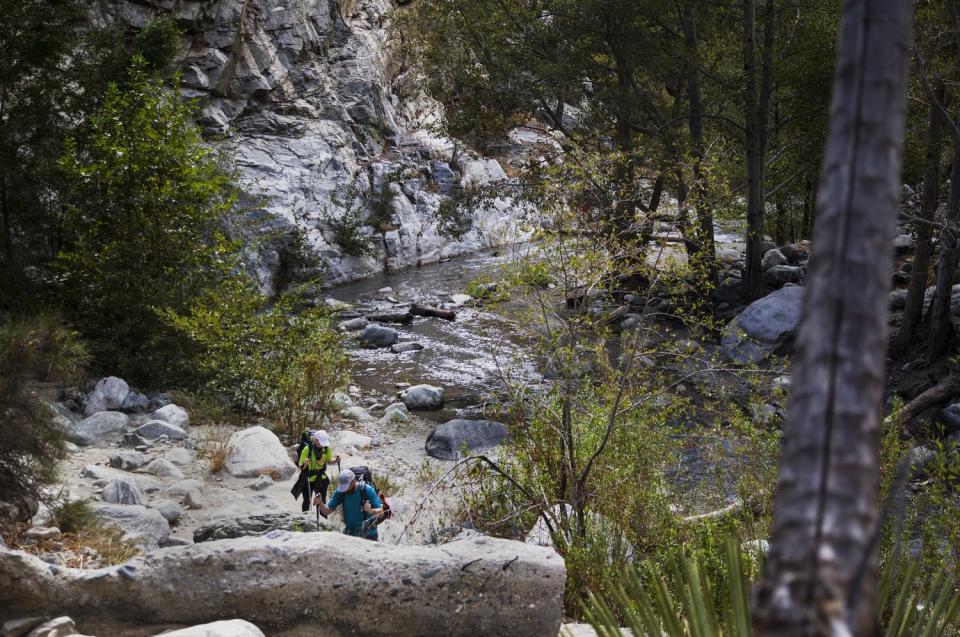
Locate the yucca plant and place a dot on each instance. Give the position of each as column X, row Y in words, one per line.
column 910, row 604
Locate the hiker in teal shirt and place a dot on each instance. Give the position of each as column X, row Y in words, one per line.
column 359, row 513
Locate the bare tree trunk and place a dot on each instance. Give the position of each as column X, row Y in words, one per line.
column 913, row 311
column 706, row 248
column 820, row 578
column 941, row 329
column 757, row 133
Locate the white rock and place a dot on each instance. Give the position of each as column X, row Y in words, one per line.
column 103, row 424
column 43, row 533
column 173, row 414
column 59, row 627
column 123, row 491
column 138, row 523
column 357, row 413
column 183, row 487
column 226, row 628
column 261, row 483
column 169, row 510
column 107, row 395
column 257, row 451
column 397, row 412
column 180, row 456
column 348, row 438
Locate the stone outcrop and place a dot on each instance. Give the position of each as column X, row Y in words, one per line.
column 471, row 586
column 306, row 97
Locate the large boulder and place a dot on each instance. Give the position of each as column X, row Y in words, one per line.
column 101, row 425
column 780, row 275
column 173, row 414
column 446, row 441
column 257, row 451
column 226, row 628
column 138, row 523
column 763, row 327
column 122, row 491
column 272, row 580
column 773, row 257
column 129, row 460
column 232, row 526
column 163, row 468
column 379, row 336
column 109, row 394
column 422, row 397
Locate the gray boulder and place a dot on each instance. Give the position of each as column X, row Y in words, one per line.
column 233, row 526
column 379, row 336
column 903, row 243
column 183, row 487
column 257, row 451
column 422, row 397
column 794, row 253
column 225, row 628
column 135, row 402
column 763, row 327
column 949, row 417
column 173, row 414
column 57, row 627
column 109, row 394
column 104, row 424
column 772, row 258
column 163, row 468
column 129, row 460
column 97, row 473
column 156, row 428
column 780, row 275
column 272, row 580
column 138, row 523
column 446, row 441
column 180, row 456
column 120, row 491
column 898, row 299
column 353, row 325
column 169, row 510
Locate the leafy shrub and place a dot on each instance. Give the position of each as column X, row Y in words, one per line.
column 264, row 358
column 32, row 350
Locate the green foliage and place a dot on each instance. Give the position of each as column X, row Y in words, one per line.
column 75, row 516
column 32, row 350
column 684, row 597
column 158, row 43
column 265, row 358
column 143, row 223
column 349, row 228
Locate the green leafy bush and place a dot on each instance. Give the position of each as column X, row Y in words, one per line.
column 265, row 358
column 146, row 205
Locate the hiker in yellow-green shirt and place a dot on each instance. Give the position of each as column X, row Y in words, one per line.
column 314, row 457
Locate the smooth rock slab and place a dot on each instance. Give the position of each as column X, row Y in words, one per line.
column 101, row 425
column 163, row 468
column 120, row 491
column 227, row 628
column 422, row 397
column 257, row 451
column 129, row 460
column 446, row 441
column 271, row 581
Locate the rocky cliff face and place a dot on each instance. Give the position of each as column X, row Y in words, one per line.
column 303, row 96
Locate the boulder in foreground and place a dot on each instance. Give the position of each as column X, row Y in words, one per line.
column 422, row 590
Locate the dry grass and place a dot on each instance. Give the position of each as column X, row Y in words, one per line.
column 85, row 539
column 204, row 409
column 270, row 471
column 213, row 444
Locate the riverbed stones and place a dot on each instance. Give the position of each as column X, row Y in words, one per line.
column 396, row 413
column 135, row 402
column 379, row 336
column 108, row 395
column 794, row 253
column 779, row 275
column 903, row 243
column 183, row 487
column 138, row 523
column 424, row 590
column 347, row 438
column 173, row 414
column 171, row 511
column 257, row 451
column 357, row 413
column 225, row 628
column 422, row 397
column 763, row 327
column 156, row 428
column 122, row 491
column 129, row 460
column 180, row 456
column 447, row 441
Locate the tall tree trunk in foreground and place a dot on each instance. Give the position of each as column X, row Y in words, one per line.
column 820, row 579
column 913, row 311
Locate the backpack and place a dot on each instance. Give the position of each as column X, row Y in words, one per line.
column 304, row 441
column 365, row 477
